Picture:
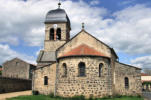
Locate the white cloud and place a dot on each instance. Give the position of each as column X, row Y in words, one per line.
column 94, row 2
column 24, row 20
column 7, row 53
column 128, row 31
column 142, row 62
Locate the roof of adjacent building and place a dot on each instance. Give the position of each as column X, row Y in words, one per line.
column 1, row 69
column 128, row 65
column 144, row 74
column 57, row 15
column 18, row 59
column 46, row 56
column 83, row 49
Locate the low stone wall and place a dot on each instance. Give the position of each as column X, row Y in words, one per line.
column 14, row 85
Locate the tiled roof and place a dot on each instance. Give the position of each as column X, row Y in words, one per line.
column 0, row 69
column 46, row 56
column 83, row 50
column 144, row 74
column 146, row 81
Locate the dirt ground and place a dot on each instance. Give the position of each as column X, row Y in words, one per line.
column 14, row 94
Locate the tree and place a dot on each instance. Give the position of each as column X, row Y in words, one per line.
column 0, row 70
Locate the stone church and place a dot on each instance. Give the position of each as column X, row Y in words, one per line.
column 81, row 65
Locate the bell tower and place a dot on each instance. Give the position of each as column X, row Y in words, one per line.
column 57, row 32
column 57, row 29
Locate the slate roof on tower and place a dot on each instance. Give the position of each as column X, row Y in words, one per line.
column 57, row 15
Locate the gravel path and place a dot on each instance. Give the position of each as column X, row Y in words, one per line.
column 14, row 94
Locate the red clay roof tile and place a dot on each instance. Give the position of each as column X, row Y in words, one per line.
column 144, row 74
column 83, row 50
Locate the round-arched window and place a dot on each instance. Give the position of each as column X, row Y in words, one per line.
column 81, row 69
column 51, row 36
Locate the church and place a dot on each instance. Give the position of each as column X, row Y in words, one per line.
column 81, row 65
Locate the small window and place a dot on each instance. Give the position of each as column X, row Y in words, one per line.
column 17, row 63
column 100, row 69
column 64, row 70
column 81, row 69
column 45, row 80
column 51, row 37
column 58, row 34
column 126, row 82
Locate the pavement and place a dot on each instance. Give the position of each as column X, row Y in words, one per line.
column 147, row 95
column 14, row 94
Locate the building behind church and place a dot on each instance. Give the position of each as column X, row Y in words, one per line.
column 17, row 68
column 82, row 65
column 16, row 76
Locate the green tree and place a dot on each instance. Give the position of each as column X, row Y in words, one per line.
column 0, row 70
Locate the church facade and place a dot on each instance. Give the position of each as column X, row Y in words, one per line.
column 82, row 65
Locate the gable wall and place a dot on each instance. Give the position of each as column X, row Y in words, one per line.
column 84, row 38
column 134, row 76
column 21, row 70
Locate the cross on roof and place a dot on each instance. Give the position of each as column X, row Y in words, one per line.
column 59, row 4
column 82, row 25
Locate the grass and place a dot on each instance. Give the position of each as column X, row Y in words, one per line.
column 42, row 97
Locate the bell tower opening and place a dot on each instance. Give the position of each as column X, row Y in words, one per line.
column 51, row 36
column 59, row 34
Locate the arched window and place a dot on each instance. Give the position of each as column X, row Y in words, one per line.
column 126, row 82
column 100, row 69
column 81, row 69
column 64, row 70
column 58, row 34
column 51, row 36
column 45, row 80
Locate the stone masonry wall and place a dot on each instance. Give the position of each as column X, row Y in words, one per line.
column 14, row 85
column 38, row 79
column 84, row 38
column 16, row 69
column 134, row 76
column 53, row 45
column 91, row 84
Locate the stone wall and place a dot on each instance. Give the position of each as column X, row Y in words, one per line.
column 91, row 84
column 16, row 68
column 84, row 38
column 38, row 79
column 134, row 76
column 14, row 85
column 51, row 45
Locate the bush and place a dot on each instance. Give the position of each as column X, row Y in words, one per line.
column 0, row 73
column 51, row 95
column 78, row 98
column 35, row 92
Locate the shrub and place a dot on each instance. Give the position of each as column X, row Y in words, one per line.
column 35, row 92
column 51, row 95
column 78, row 98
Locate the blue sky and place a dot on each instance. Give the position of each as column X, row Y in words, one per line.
column 122, row 24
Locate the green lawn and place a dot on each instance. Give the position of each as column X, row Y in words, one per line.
column 42, row 97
